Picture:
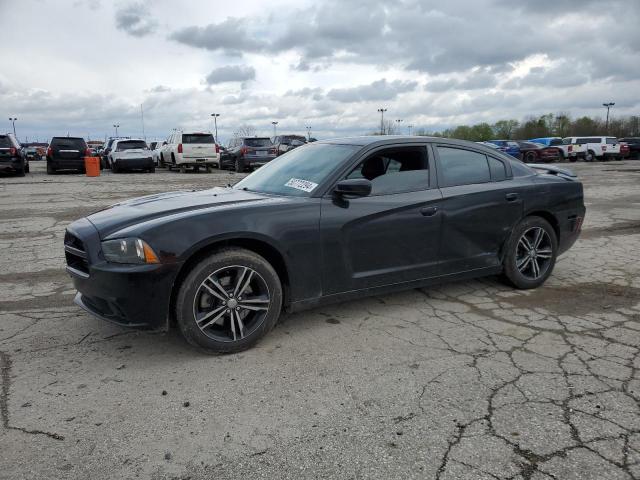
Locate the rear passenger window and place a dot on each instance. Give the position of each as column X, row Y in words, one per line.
column 498, row 169
column 462, row 167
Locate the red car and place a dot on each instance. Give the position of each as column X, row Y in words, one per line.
column 625, row 150
column 531, row 152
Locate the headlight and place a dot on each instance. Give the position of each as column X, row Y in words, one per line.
column 128, row 250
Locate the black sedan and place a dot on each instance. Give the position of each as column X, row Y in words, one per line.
column 328, row 221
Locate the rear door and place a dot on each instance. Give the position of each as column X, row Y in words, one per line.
column 391, row 236
column 198, row 146
column 480, row 206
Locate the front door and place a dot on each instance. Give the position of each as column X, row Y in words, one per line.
column 392, row 235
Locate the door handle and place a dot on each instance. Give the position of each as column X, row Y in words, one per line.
column 512, row 197
column 428, row 211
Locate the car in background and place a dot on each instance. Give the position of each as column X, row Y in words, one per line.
column 12, row 157
column 330, row 221
column 284, row 143
column 247, row 153
column 156, row 149
column 533, row 152
column 567, row 150
column 625, row 151
column 104, row 154
column 131, row 154
column 67, row 153
column 32, row 153
column 599, row 148
column 190, row 149
column 510, row 147
column 488, row 144
column 634, row 146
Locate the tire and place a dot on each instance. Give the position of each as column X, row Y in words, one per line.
column 161, row 163
column 20, row 171
column 519, row 269
column 573, row 159
column 239, row 165
column 152, row 169
column 208, row 169
column 114, row 168
column 51, row 170
column 591, row 156
column 183, row 169
column 530, row 157
column 26, row 168
column 195, row 300
column 561, row 157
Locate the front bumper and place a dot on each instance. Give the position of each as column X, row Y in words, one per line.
column 128, row 295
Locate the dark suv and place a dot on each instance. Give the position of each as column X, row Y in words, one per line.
column 246, row 153
column 634, row 146
column 12, row 158
column 66, row 153
column 284, row 143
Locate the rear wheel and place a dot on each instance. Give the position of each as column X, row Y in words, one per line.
column 114, row 167
column 228, row 301
column 51, row 170
column 530, row 253
column 20, row 170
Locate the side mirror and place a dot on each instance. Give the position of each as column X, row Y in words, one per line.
column 355, row 187
column 164, row 143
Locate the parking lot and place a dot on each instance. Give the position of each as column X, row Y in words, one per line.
column 469, row 380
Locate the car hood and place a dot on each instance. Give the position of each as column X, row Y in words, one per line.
column 142, row 209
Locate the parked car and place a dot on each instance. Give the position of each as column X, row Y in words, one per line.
column 284, row 143
column 246, row 153
column 12, row 158
column 66, row 153
column 329, row 221
column 488, row 144
column 190, row 149
column 156, row 150
column 634, row 146
column 32, row 153
column 104, row 162
column 599, row 148
column 566, row 149
column 510, row 147
column 532, row 152
column 131, row 154
column 625, row 150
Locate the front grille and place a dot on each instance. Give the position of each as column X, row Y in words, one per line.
column 75, row 253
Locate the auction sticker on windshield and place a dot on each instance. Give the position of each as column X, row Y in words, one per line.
column 304, row 185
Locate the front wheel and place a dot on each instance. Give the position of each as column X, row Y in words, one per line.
column 530, row 253
column 530, row 157
column 229, row 301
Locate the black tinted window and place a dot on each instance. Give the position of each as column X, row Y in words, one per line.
column 257, row 142
column 5, row 142
column 462, row 167
column 519, row 169
column 395, row 171
column 130, row 145
column 197, row 138
column 68, row 143
column 497, row 168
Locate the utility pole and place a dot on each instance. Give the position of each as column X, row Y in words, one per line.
column 608, row 106
column 215, row 122
column 13, row 121
column 116, row 125
column 308, row 133
column 274, row 128
column 382, row 110
column 142, row 118
column 398, row 123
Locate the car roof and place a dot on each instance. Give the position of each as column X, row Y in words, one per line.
column 375, row 140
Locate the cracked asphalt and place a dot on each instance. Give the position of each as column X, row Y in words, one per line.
column 468, row 380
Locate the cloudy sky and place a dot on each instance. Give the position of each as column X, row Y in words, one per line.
column 79, row 66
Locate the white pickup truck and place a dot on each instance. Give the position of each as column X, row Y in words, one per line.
column 568, row 151
column 597, row 147
column 189, row 149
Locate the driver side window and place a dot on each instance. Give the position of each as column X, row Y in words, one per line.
column 396, row 170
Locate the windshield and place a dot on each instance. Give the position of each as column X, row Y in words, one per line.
column 197, row 138
column 257, row 142
column 299, row 171
column 131, row 145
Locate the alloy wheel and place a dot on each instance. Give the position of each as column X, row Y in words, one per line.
column 534, row 253
column 231, row 303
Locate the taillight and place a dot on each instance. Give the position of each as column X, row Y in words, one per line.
column 12, row 151
column 49, row 152
column 179, row 148
column 217, row 148
column 570, row 148
column 244, row 150
column 87, row 152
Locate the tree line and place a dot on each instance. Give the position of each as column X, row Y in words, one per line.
column 549, row 125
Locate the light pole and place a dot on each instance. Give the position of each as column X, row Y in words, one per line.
column 607, row 106
column 382, row 110
column 274, row 128
column 215, row 122
column 116, row 125
column 409, row 127
column 398, row 123
column 13, row 122
column 308, row 133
